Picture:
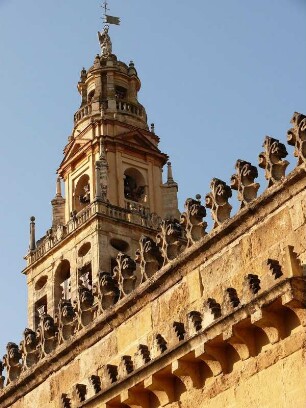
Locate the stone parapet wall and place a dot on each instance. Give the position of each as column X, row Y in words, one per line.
column 196, row 318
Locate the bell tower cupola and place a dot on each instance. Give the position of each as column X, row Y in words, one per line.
column 109, row 89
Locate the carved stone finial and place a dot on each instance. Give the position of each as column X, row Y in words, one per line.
column 66, row 320
column 28, row 347
column 105, row 42
column 106, row 290
column 192, row 220
column 58, row 188
column 124, row 272
column 296, row 136
column 32, row 245
column 170, row 179
column 168, row 239
column 47, row 334
column 271, row 160
column 12, row 363
column 217, row 201
column 243, row 182
column 149, row 257
column 84, row 306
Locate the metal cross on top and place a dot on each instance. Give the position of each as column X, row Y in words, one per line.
column 107, row 18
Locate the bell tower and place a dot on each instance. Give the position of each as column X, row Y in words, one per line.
column 114, row 191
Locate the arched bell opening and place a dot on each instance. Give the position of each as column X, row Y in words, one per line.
column 135, row 188
column 62, row 282
column 82, row 193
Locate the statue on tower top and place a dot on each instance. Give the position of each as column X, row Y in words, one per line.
column 105, row 42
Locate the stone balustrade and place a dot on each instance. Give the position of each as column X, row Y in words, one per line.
column 82, row 112
column 135, row 214
column 130, row 108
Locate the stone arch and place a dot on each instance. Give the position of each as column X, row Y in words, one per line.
column 82, row 193
column 134, row 186
column 62, row 282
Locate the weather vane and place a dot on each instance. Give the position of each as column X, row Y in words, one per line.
column 107, row 18
column 104, row 38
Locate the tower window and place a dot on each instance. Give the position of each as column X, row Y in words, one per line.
column 134, row 186
column 120, row 92
column 90, row 96
column 82, row 193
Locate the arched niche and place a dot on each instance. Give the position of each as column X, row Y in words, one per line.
column 84, row 249
column 41, row 282
column 82, row 193
column 134, row 186
column 62, row 282
column 119, row 244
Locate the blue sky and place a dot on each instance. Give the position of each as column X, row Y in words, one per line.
column 217, row 76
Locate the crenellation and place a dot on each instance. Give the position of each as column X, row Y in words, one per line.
column 243, row 182
column 29, row 348
column 217, row 201
column 169, row 240
column 192, row 220
column 271, row 160
column 11, row 361
column 296, row 136
column 124, row 273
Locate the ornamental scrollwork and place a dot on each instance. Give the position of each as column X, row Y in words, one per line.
column 168, row 239
column 271, row 160
column 192, row 220
column 148, row 257
column 243, row 182
column 296, row 136
column 125, row 274
column 217, row 201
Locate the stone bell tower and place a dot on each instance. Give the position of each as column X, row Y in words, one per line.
column 114, row 192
